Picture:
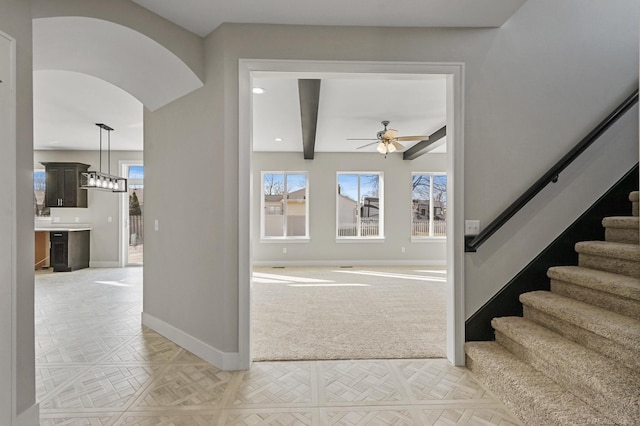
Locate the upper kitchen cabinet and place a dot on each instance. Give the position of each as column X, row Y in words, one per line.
column 63, row 185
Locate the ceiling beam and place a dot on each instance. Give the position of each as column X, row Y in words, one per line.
column 309, row 91
column 425, row 146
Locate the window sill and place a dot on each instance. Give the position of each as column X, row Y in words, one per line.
column 350, row 240
column 428, row 239
column 287, row 240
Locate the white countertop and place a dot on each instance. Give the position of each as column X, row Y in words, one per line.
column 62, row 227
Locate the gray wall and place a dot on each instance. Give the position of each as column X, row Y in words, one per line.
column 17, row 359
column 532, row 89
column 322, row 247
column 101, row 205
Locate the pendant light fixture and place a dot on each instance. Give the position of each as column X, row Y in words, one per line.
column 104, row 181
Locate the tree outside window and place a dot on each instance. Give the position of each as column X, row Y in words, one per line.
column 284, row 205
column 39, row 188
column 428, row 205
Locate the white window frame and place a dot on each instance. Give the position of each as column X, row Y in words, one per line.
column 284, row 237
column 429, row 237
column 359, row 237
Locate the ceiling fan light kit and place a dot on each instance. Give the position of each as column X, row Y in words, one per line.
column 388, row 141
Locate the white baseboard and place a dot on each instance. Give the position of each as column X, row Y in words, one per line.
column 29, row 417
column 103, row 264
column 222, row 360
column 338, row 263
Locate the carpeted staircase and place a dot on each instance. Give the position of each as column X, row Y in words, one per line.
column 574, row 358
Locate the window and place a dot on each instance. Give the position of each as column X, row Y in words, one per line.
column 428, row 205
column 284, row 205
column 39, row 187
column 359, row 205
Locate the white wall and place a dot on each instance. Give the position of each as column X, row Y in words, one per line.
column 102, row 205
column 322, row 247
column 533, row 88
column 17, row 359
column 184, row 44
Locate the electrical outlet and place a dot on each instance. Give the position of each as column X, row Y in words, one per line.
column 109, row 219
column 155, row 225
column 402, row 249
column 471, row 227
column 284, row 250
column 56, row 219
column 77, row 219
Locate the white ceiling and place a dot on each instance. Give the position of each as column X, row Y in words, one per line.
column 349, row 107
column 67, row 104
column 203, row 16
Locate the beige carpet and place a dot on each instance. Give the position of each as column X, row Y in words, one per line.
column 348, row 313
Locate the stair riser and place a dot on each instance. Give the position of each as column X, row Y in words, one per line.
column 536, row 399
column 634, row 209
column 610, row 264
column 603, row 397
column 612, row 302
column 506, row 393
column 622, row 354
column 509, row 395
column 622, row 235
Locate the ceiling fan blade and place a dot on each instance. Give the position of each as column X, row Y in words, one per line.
column 361, row 139
column 397, row 145
column 412, row 138
column 363, row 146
column 390, row 134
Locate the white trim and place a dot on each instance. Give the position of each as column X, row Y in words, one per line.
column 29, row 417
column 380, row 235
column 455, row 176
column 222, row 360
column 354, row 263
column 285, row 205
column 351, row 240
column 421, row 240
column 9, row 281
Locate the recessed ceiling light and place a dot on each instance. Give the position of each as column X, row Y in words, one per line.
column 258, row 90
column 278, row 139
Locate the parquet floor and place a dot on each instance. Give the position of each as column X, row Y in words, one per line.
column 96, row 365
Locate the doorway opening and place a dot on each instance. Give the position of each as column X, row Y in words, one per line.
column 452, row 73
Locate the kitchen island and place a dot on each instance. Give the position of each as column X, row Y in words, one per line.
column 69, row 245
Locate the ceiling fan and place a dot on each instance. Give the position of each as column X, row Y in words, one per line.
column 388, row 141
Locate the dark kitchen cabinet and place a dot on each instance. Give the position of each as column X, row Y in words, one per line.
column 63, row 185
column 69, row 250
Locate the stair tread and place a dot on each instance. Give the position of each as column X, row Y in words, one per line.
column 623, row 251
column 608, row 282
column 529, row 390
column 633, row 196
column 588, row 367
column 619, row 328
column 626, row 222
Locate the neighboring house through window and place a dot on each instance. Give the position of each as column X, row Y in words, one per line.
column 285, row 206
column 359, row 205
column 428, row 205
